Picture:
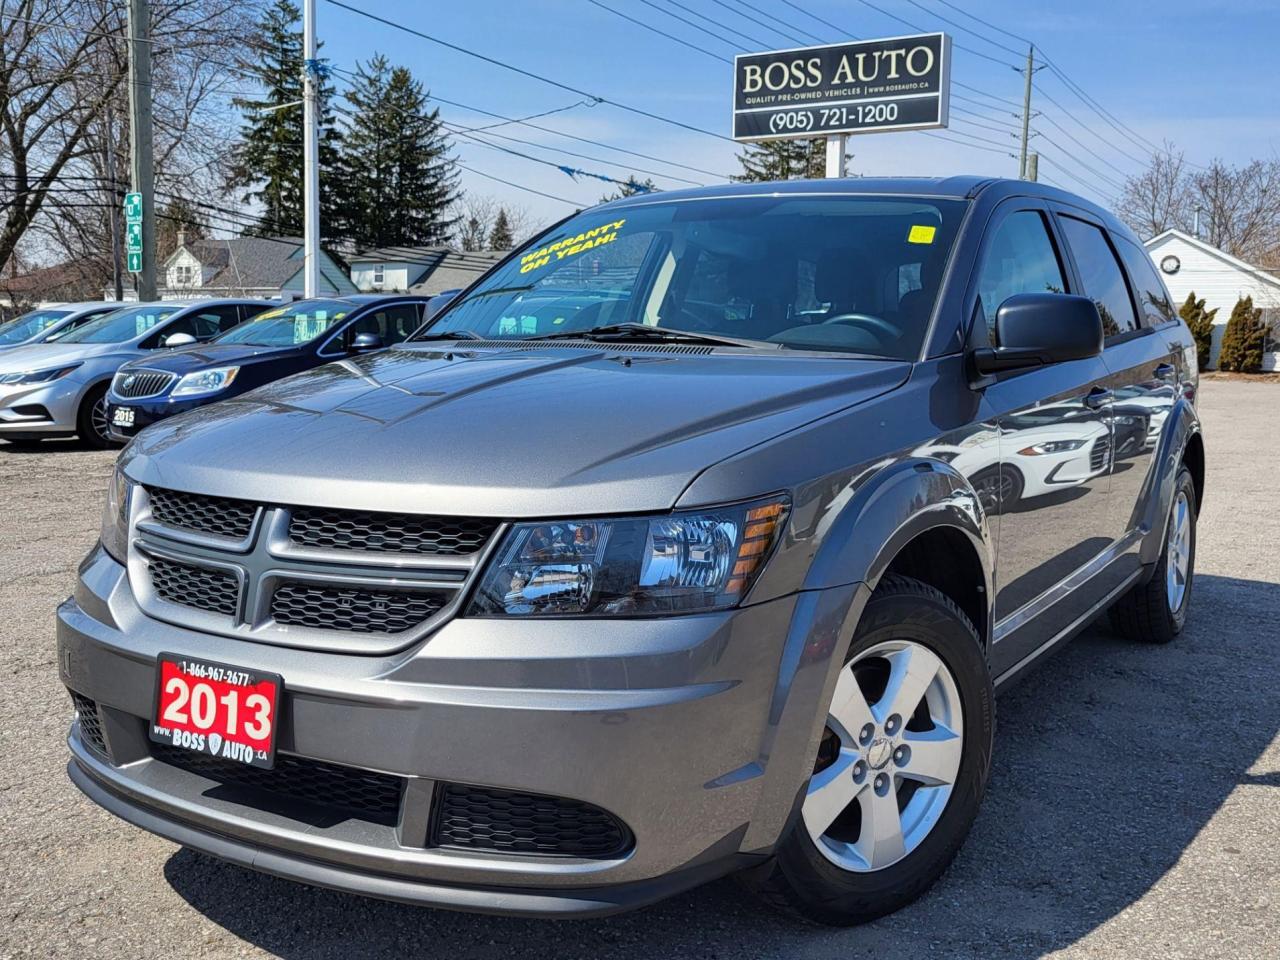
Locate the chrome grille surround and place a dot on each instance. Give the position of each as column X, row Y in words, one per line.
column 386, row 600
column 139, row 384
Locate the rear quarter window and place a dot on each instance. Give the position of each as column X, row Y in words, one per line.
column 1152, row 295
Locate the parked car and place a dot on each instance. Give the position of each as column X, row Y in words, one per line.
column 46, row 323
column 59, row 388
column 565, row 605
column 274, row 344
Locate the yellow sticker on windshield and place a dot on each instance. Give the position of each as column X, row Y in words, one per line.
column 921, row 234
column 270, row 313
column 571, row 246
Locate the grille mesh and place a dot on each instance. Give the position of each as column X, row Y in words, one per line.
column 352, row 609
column 1099, row 453
column 90, row 722
column 388, row 532
column 219, row 516
column 198, row 587
column 141, row 383
column 363, row 794
column 482, row 818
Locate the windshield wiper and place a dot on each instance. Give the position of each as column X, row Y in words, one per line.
column 450, row 335
column 623, row 332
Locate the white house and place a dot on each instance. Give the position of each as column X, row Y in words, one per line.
column 1188, row 264
column 427, row 270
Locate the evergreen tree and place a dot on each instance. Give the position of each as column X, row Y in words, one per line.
column 1200, row 321
column 1244, row 338
column 500, row 237
column 400, row 181
column 267, row 162
column 472, row 236
column 631, row 188
column 782, row 160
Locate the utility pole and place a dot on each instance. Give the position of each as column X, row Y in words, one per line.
column 310, row 156
column 1033, row 167
column 836, row 146
column 109, row 160
column 142, row 174
column 1026, row 112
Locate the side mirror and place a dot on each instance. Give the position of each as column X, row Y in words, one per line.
column 179, row 340
column 1037, row 329
column 366, row 342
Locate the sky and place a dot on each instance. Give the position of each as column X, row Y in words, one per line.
column 1200, row 75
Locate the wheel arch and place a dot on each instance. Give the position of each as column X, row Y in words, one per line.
column 1180, row 443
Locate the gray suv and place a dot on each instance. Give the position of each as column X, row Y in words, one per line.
column 694, row 538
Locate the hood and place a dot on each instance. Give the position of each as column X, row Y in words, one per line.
column 498, row 433
column 38, row 356
column 206, row 355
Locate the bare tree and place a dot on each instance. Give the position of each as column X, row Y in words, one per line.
column 1157, row 198
column 477, row 215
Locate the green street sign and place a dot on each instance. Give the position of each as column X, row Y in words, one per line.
column 135, row 261
column 133, row 237
column 133, row 208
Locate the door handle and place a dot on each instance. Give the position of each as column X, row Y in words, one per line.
column 1164, row 371
column 1098, row 397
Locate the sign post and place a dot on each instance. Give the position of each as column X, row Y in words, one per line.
column 832, row 91
column 133, row 231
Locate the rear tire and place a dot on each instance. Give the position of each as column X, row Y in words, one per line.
column 91, row 421
column 999, row 488
column 1156, row 611
column 854, row 878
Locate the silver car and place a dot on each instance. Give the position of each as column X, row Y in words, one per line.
column 48, row 322
column 58, row 387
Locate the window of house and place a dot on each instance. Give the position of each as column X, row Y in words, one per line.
column 379, row 274
column 1101, row 276
column 184, row 274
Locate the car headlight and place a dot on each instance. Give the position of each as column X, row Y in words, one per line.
column 115, row 516
column 632, row 566
column 205, row 381
column 37, row 376
column 1051, row 446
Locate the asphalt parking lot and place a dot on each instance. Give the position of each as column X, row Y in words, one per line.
column 1134, row 809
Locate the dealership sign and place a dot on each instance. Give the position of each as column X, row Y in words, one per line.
column 866, row 86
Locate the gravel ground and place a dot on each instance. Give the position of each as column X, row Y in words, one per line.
column 1134, row 809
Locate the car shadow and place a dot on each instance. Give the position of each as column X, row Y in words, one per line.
column 1110, row 758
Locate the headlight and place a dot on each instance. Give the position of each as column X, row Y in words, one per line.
column 37, row 376
column 115, row 516
column 1051, row 446
column 205, row 381
column 633, row 566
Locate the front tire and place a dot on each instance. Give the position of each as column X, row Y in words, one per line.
column 1156, row 611
column 901, row 769
column 91, row 422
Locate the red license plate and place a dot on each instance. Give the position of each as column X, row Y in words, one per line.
column 216, row 709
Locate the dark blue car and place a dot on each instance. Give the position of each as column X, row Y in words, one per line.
column 274, row 344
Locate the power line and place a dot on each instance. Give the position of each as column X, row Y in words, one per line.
column 1085, row 126
column 1101, row 176
column 994, row 43
column 703, row 16
column 1079, row 179
column 659, row 32
column 776, row 29
column 518, row 186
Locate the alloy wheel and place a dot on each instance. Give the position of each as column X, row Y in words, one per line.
column 98, row 419
column 889, row 758
column 1178, row 560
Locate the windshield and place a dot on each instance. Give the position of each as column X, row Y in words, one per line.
column 286, row 326
column 23, row 328
column 119, row 326
column 850, row 274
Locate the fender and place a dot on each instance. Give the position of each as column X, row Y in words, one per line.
column 1182, row 424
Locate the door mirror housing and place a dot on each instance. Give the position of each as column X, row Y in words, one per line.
column 179, row 340
column 1037, row 329
column 366, row 342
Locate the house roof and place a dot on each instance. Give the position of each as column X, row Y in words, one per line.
column 245, row 262
column 1244, row 267
column 416, row 255
column 456, row 269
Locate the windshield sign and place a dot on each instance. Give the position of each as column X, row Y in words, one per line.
column 119, row 326
column 23, row 328
column 288, row 326
column 852, row 275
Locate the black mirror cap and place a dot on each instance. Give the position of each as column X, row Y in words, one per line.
column 364, row 342
column 1037, row 329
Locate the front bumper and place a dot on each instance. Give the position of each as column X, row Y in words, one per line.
column 696, row 732
column 148, row 411
column 48, row 409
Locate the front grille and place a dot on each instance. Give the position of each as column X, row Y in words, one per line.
column 388, row 532
column 219, row 516
column 361, row 794
column 352, row 609
column 200, row 587
column 481, row 818
column 133, row 385
column 1099, row 453
column 90, row 722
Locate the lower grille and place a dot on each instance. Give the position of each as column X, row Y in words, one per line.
column 352, row 609
column 481, row 818
column 360, row 794
column 90, row 723
column 200, row 587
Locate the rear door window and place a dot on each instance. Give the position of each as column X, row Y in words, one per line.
column 392, row 323
column 1101, row 276
column 1021, row 258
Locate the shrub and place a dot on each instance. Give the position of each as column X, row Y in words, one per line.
column 1244, row 338
column 1200, row 321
